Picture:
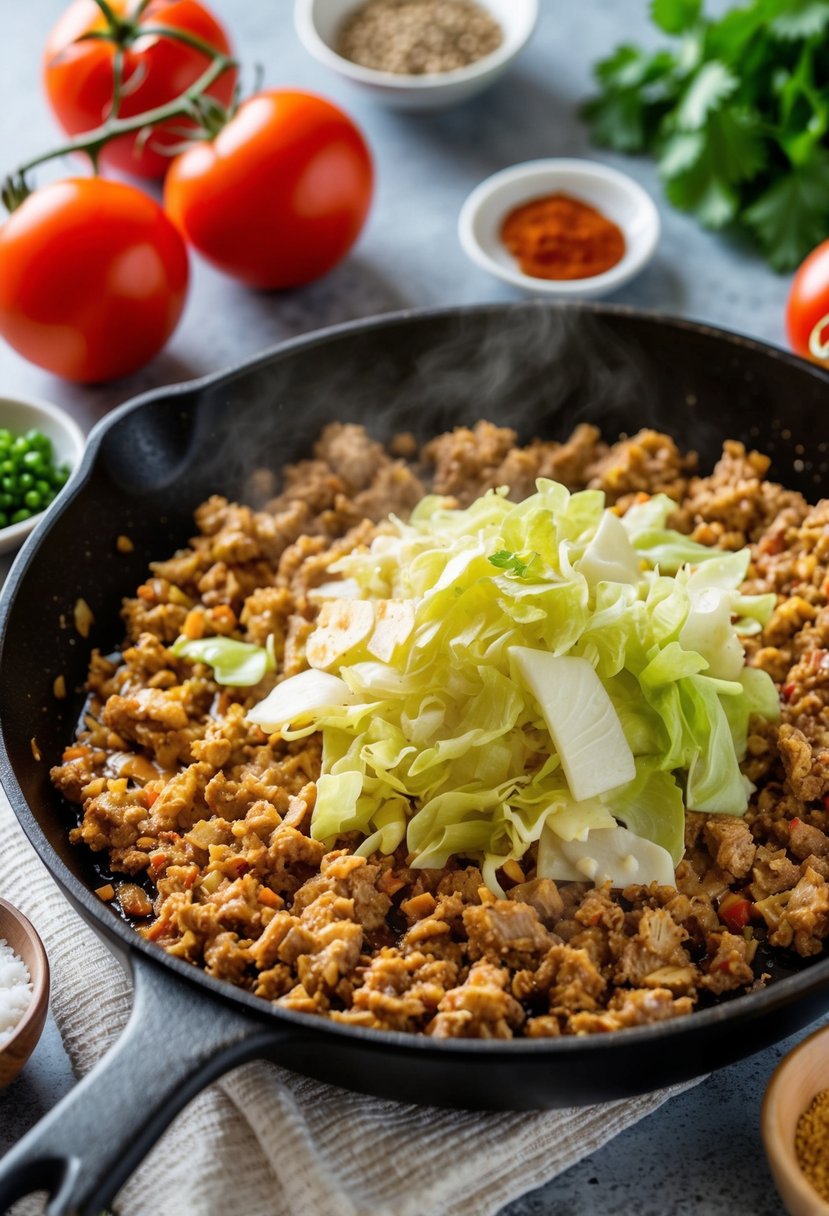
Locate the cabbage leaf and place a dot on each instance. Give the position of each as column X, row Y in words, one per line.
column 236, row 663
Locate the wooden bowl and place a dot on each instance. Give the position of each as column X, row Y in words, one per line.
column 24, row 941
column 800, row 1075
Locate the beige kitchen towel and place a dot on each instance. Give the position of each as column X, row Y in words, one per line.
column 265, row 1142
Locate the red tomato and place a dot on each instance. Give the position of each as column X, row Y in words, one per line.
column 807, row 312
column 93, row 278
column 78, row 76
column 281, row 193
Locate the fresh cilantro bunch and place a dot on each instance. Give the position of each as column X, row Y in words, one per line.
column 737, row 116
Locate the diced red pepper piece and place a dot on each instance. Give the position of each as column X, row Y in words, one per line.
column 735, row 911
column 787, row 691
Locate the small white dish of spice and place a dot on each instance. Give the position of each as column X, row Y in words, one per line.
column 416, row 54
column 24, row 990
column 560, row 227
column 795, row 1126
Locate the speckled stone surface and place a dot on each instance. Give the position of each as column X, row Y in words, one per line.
column 701, row 1153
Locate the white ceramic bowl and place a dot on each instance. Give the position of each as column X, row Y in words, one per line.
column 20, row 414
column 318, row 23
column 615, row 194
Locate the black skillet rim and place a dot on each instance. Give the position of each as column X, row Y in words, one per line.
column 121, row 938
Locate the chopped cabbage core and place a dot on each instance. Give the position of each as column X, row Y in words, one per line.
column 611, row 855
column 583, row 724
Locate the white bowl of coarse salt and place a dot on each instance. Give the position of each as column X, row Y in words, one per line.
column 416, row 54
column 24, row 990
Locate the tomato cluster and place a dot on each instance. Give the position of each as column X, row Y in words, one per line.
column 93, row 273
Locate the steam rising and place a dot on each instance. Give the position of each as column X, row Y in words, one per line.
column 538, row 368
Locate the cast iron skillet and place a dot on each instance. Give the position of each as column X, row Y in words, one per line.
column 540, row 368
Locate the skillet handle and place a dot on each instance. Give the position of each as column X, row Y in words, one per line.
column 174, row 1044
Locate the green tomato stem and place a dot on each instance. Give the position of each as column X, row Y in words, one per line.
column 92, row 142
column 177, row 35
column 113, row 21
column 192, row 103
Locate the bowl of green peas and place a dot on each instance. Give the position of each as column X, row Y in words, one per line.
column 40, row 445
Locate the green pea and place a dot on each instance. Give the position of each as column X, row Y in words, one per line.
column 29, row 480
column 38, row 440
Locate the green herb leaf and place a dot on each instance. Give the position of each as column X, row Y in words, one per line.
column 737, row 115
column 792, row 215
column 703, row 169
column 618, row 121
column 681, row 153
column 804, row 108
column 713, row 201
column 675, row 16
column 636, row 88
column 711, row 86
column 802, row 19
column 505, row 560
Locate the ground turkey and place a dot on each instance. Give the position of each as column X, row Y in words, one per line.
column 204, row 821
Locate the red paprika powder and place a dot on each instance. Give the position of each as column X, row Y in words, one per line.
column 559, row 237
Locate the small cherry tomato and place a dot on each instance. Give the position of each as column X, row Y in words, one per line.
column 807, row 312
column 93, row 278
column 280, row 195
column 78, row 75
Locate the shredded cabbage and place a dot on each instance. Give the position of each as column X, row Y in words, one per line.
column 442, row 742
column 237, row 663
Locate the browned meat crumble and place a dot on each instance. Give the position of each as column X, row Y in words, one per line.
column 207, row 820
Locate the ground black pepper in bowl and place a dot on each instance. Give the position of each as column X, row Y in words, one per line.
column 418, row 37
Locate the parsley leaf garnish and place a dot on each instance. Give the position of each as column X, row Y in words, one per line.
column 505, row 560
column 737, row 114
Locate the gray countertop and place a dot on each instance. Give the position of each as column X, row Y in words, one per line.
column 700, row 1153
